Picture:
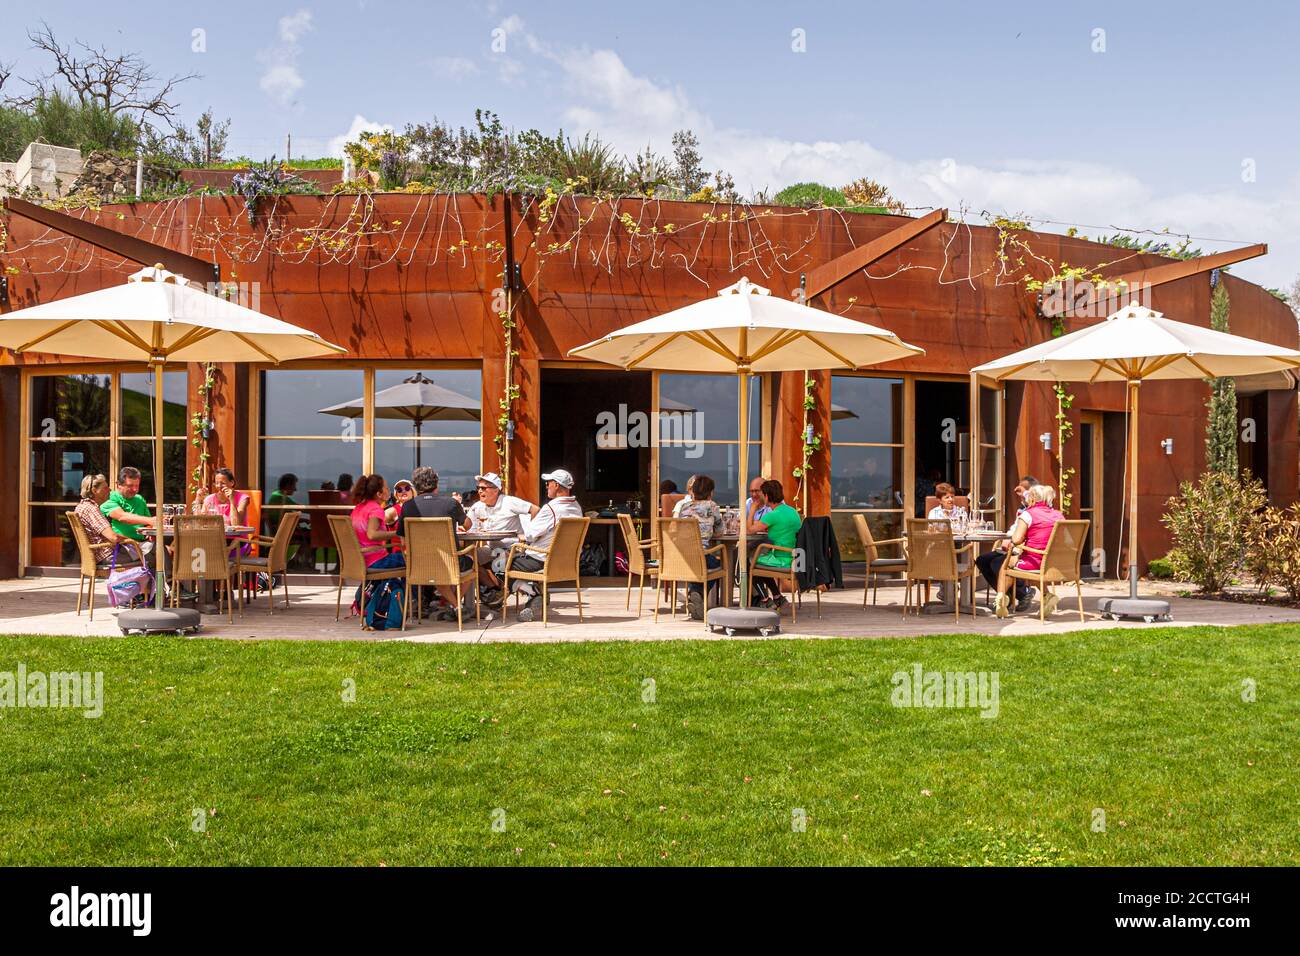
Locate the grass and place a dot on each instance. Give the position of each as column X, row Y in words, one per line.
column 556, row 742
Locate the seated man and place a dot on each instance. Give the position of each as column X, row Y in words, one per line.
column 540, row 531
column 127, row 511
column 427, row 503
column 495, row 511
column 781, row 524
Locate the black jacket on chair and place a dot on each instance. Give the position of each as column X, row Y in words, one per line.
column 821, row 554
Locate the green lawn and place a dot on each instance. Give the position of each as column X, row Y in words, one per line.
column 1149, row 725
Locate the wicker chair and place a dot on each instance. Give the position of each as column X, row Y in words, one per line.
column 91, row 569
column 560, row 565
column 202, row 554
column 641, row 561
column 1062, row 559
column 790, row 575
column 682, row 559
column 275, row 561
column 432, row 559
column 932, row 556
column 875, row 563
column 352, row 564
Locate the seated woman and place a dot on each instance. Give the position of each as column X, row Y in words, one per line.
column 781, row 524
column 1032, row 529
column 225, row 500
column 99, row 532
column 947, row 509
column 403, row 492
column 701, row 506
column 369, row 524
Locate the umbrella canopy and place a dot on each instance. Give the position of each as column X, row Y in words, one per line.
column 742, row 330
column 1137, row 344
column 158, row 317
column 745, row 326
column 418, row 399
column 1133, row 345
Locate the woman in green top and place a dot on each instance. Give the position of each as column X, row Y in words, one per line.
column 781, row 524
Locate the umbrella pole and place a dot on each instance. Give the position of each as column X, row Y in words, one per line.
column 160, row 549
column 417, row 443
column 742, row 550
column 1133, row 488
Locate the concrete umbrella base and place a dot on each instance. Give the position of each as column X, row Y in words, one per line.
column 1149, row 609
column 733, row 619
column 167, row 620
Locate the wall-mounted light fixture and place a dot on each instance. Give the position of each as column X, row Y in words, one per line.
column 1046, row 439
column 510, row 429
column 1168, row 445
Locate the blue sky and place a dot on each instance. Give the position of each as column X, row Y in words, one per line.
column 1184, row 119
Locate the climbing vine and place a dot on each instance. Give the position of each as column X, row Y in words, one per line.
column 200, row 429
column 1064, row 430
column 812, row 442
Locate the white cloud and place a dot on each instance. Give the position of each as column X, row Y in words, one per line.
column 359, row 125
column 454, row 68
column 630, row 110
column 281, row 80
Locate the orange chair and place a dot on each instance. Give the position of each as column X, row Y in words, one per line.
column 254, row 515
column 959, row 501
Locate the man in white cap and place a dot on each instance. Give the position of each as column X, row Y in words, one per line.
column 495, row 511
column 539, row 532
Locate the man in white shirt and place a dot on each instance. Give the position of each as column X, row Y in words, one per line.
column 539, row 531
column 495, row 511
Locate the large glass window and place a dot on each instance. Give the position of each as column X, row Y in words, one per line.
column 866, row 450
column 988, row 488
column 314, row 442
column 699, row 421
column 71, row 434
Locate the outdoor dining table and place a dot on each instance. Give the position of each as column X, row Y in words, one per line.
column 729, row 543
column 946, row 594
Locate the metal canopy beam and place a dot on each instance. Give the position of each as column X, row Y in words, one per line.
column 128, row 247
column 1172, row 271
column 824, row 277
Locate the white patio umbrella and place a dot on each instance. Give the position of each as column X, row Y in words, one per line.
column 417, row 399
column 741, row 331
column 1133, row 345
column 157, row 317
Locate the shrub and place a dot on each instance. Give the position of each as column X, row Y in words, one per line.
column 1273, row 552
column 1210, row 522
column 809, row 195
column 1161, row 569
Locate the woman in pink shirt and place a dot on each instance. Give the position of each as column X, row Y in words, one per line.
column 232, row 505
column 1033, row 529
column 368, row 521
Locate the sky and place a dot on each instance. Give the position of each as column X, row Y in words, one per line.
column 1108, row 116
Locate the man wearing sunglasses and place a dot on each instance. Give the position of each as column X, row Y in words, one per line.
column 496, row 511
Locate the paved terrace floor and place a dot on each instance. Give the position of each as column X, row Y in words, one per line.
column 47, row 605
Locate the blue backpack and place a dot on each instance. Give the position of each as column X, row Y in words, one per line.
column 384, row 605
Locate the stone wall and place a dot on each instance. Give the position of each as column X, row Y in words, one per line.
column 113, row 175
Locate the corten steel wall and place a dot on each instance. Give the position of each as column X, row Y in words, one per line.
column 424, row 285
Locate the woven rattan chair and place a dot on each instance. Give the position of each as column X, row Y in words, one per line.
column 875, row 563
column 91, row 569
column 274, row 561
column 641, row 561
column 789, row 575
column 202, row 554
column 352, row 564
column 560, row 564
column 432, row 560
column 932, row 556
column 1062, row 559
column 682, row 559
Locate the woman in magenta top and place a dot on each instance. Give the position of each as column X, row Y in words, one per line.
column 232, row 505
column 1033, row 529
column 368, row 497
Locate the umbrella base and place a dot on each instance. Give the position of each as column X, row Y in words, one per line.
column 733, row 619
column 1149, row 609
column 168, row 620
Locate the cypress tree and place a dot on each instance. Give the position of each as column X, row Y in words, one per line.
column 1221, row 422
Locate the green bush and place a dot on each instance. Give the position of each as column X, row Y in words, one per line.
column 1273, row 557
column 1211, row 522
column 1162, row 569
column 809, row 195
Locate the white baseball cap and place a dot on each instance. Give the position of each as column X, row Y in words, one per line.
column 492, row 478
column 559, row 476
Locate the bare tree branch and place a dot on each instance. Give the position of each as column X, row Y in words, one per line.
column 116, row 83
